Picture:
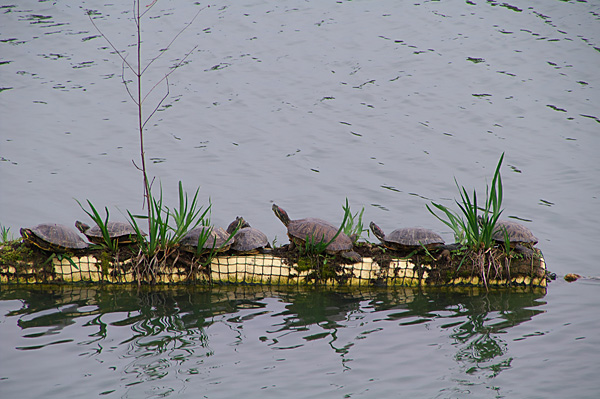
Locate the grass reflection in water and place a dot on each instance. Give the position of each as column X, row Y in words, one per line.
column 177, row 335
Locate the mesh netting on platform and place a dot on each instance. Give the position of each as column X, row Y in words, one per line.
column 253, row 269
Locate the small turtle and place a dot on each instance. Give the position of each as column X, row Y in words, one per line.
column 518, row 235
column 408, row 238
column 247, row 240
column 124, row 233
column 216, row 240
column 317, row 230
column 54, row 237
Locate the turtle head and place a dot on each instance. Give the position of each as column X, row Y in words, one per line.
column 238, row 223
column 82, row 226
column 281, row 214
column 26, row 233
column 29, row 237
column 377, row 231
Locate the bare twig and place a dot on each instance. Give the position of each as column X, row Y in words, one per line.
column 126, row 84
column 170, row 72
column 158, row 105
column 148, row 7
column 174, row 38
column 147, row 263
column 89, row 13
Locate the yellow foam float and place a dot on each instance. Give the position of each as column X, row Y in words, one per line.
column 264, row 269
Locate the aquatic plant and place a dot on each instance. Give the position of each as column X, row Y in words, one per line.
column 203, row 237
column 5, row 235
column 474, row 226
column 353, row 227
column 187, row 217
column 138, row 96
column 163, row 237
column 109, row 243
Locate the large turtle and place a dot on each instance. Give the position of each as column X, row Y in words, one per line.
column 217, row 239
column 517, row 233
column 124, row 233
column 317, row 230
column 247, row 240
column 54, row 238
column 407, row 238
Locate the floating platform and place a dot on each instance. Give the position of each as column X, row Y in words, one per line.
column 267, row 269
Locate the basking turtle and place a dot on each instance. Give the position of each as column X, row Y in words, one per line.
column 408, row 238
column 216, row 240
column 517, row 233
column 124, row 233
column 317, row 230
column 54, row 237
column 247, row 240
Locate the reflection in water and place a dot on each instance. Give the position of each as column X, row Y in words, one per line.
column 149, row 334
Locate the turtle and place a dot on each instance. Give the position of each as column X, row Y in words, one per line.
column 124, row 233
column 518, row 235
column 247, row 240
column 54, row 238
column 218, row 239
column 317, row 230
column 408, row 238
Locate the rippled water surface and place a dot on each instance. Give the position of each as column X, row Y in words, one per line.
column 305, row 104
column 260, row 342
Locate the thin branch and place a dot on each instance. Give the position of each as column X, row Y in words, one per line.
column 148, row 7
column 89, row 13
column 126, row 84
column 173, row 40
column 159, row 103
column 170, row 72
column 134, row 164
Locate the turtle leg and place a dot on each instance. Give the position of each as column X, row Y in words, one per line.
column 292, row 243
column 353, row 256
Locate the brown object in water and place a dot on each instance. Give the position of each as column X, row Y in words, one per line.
column 570, row 277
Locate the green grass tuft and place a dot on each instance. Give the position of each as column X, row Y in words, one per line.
column 474, row 225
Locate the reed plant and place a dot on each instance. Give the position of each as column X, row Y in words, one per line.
column 353, row 227
column 111, row 244
column 5, row 235
column 203, row 238
column 474, row 225
column 166, row 228
column 138, row 96
column 207, row 254
column 187, row 215
column 162, row 238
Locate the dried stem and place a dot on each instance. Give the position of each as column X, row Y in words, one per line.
column 138, row 71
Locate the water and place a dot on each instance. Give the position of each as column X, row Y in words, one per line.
column 263, row 342
column 305, row 104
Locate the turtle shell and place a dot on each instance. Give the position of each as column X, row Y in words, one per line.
column 246, row 239
column 249, row 239
column 318, row 230
column 408, row 237
column 54, row 237
column 217, row 239
column 517, row 233
column 120, row 231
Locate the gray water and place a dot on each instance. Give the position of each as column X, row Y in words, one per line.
column 261, row 342
column 305, row 104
